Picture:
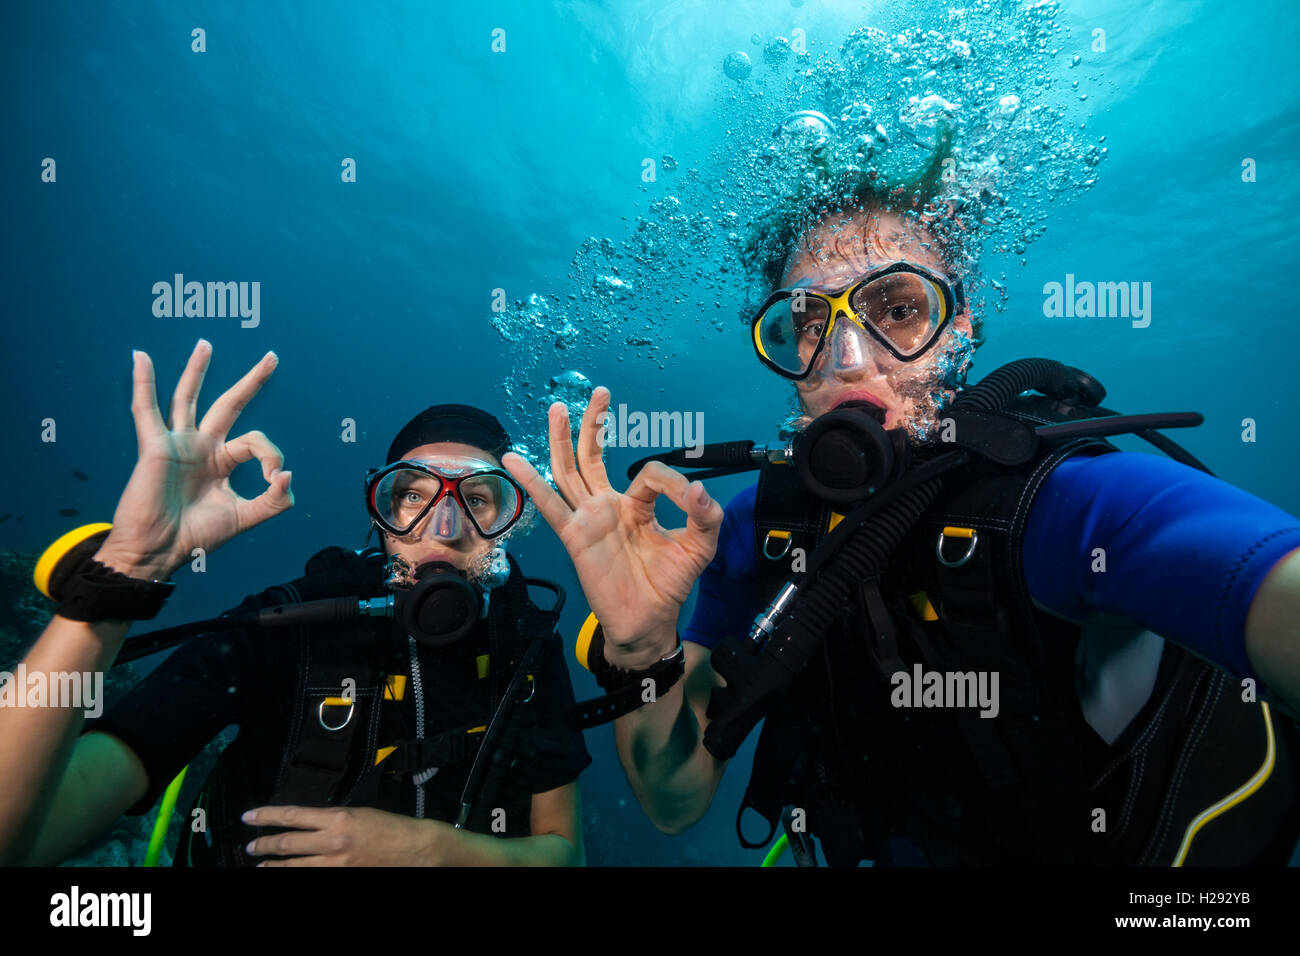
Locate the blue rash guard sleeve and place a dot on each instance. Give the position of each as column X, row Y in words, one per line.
column 1185, row 552
column 727, row 602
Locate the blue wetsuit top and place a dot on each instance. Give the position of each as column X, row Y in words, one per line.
column 1185, row 553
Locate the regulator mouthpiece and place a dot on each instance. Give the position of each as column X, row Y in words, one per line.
column 441, row 607
column 846, row 455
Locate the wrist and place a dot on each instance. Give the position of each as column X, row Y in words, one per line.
column 146, row 568
column 643, row 651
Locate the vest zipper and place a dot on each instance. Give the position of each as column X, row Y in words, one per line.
column 421, row 778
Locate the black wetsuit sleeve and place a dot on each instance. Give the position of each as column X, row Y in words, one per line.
column 204, row 686
column 556, row 754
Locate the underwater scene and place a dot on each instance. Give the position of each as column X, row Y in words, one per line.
column 821, row 285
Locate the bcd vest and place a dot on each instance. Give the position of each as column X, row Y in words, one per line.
column 849, row 755
column 333, row 754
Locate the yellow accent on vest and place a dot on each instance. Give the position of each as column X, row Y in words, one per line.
column 383, row 752
column 921, row 603
column 836, row 518
column 395, row 687
column 482, row 662
column 56, row 552
column 1237, row 796
column 477, row 730
column 337, row 702
column 585, row 634
column 951, row 532
column 778, row 534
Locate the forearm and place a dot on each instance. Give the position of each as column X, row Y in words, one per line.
column 660, row 746
column 1273, row 631
column 482, row 849
column 37, row 741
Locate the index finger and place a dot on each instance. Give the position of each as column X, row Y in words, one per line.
column 302, row 818
column 553, row 508
column 221, row 416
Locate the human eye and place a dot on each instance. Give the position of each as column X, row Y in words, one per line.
column 902, row 312
column 811, row 331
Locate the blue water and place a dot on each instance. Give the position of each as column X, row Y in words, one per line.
column 479, row 171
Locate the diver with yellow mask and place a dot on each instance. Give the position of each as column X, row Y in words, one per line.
column 976, row 632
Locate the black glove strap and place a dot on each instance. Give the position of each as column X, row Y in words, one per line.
column 627, row 689
column 97, row 593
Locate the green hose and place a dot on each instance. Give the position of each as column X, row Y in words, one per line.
column 778, row 848
column 164, row 818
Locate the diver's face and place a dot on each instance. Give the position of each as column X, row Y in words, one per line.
column 444, row 534
column 832, row 256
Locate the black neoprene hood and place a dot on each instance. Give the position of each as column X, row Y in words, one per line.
column 459, row 423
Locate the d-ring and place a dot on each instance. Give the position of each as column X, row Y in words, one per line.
column 334, row 702
column 789, row 538
column 972, row 533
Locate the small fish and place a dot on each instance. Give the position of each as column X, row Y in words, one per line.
column 69, row 512
column 5, row 518
column 80, row 475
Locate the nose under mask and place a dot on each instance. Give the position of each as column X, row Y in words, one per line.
column 847, row 350
column 849, row 346
column 446, row 523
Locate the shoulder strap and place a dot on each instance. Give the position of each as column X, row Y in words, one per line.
column 339, row 686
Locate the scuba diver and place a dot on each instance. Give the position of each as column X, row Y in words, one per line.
column 403, row 705
column 975, row 631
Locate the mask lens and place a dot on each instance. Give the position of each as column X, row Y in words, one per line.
column 906, row 308
column 402, row 497
column 788, row 331
column 491, row 502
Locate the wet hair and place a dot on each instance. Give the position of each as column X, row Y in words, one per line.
column 849, row 191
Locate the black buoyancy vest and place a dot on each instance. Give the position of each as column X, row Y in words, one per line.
column 330, row 753
column 1035, row 784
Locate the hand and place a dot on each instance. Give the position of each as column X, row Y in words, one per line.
column 347, row 836
column 635, row 573
column 179, row 496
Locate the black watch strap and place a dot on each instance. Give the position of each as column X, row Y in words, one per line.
column 627, row 690
column 96, row 593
